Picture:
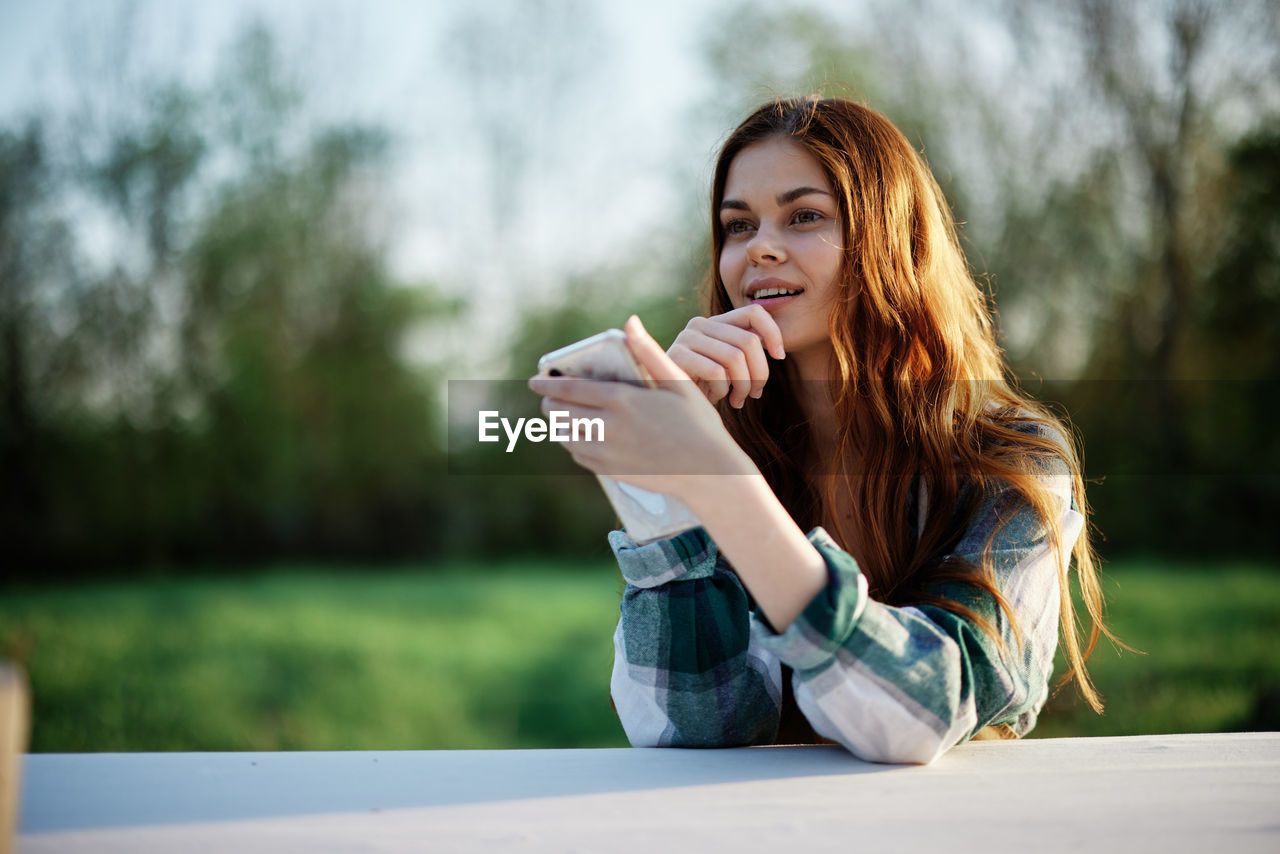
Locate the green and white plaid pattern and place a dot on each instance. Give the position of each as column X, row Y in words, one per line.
column 694, row 666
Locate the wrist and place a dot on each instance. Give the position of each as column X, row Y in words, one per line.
column 774, row 559
column 706, row 493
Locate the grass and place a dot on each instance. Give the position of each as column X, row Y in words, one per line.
column 477, row 657
column 1211, row 638
column 514, row 655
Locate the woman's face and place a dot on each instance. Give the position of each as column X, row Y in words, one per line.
column 783, row 240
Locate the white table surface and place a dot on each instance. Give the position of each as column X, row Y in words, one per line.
column 1147, row 793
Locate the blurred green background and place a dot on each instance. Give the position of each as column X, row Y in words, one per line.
column 241, row 256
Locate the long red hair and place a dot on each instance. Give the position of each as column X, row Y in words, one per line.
column 921, row 388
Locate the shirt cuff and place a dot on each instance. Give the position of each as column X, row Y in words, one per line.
column 688, row 555
column 828, row 620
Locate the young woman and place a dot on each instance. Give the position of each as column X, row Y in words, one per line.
column 845, row 381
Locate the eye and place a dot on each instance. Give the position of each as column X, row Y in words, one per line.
column 807, row 216
column 736, row 226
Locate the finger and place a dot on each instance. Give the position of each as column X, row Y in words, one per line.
column 578, row 390
column 730, row 361
column 578, row 427
column 739, row 351
column 759, row 321
column 559, row 404
column 655, row 360
column 708, row 374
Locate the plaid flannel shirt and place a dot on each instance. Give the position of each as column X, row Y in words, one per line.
column 694, row 666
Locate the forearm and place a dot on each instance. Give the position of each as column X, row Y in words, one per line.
column 771, row 555
column 688, row 671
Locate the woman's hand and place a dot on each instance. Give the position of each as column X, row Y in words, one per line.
column 661, row 439
column 666, row 439
column 725, row 354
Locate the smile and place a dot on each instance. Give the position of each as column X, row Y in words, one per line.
column 775, row 292
column 772, row 289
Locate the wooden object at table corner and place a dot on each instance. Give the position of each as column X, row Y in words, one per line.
column 15, row 714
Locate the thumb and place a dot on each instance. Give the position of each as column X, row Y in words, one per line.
column 651, row 356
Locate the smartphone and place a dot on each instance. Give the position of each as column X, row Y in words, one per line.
column 604, row 356
column 646, row 516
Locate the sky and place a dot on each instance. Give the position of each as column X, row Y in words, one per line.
column 384, row 62
column 613, row 163
column 588, row 190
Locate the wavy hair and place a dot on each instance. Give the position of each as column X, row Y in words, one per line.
column 921, row 387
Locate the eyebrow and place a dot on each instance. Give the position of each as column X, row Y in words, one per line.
column 783, row 198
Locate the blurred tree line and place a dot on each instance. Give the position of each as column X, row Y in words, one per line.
column 235, row 382
column 232, row 384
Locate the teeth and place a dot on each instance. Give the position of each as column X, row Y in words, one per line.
column 774, row 292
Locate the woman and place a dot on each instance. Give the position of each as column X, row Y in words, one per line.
column 861, row 397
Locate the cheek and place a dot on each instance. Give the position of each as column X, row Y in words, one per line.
column 825, row 263
column 730, row 268
column 733, row 257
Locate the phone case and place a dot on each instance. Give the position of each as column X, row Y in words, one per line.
column 647, row 516
column 603, row 356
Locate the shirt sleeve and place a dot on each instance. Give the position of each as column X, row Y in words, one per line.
column 695, row 667
column 689, row 670
column 905, row 684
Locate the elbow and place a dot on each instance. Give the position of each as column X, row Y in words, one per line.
column 918, row 751
column 642, row 719
column 877, row 727
column 648, row 733
column 642, row 739
column 646, row 724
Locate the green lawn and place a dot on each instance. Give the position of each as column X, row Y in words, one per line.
column 514, row 655
column 1211, row 637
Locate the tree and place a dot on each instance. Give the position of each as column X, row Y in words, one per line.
column 34, row 245
column 231, row 380
column 523, row 76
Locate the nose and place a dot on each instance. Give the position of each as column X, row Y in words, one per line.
column 766, row 247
